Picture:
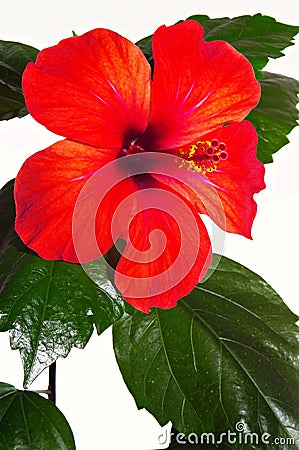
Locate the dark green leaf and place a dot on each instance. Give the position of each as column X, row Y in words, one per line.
column 257, row 37
column 48, row 306
column 109, row 305
column 276, row 114
column 227, row 353
column 145, row 46
column 13, row 59
column 30, row 422
column 7, row 215
column 11, row 103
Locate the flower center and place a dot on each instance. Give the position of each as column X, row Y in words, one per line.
column 204, row 156
column 131, row 150
column 135, row 166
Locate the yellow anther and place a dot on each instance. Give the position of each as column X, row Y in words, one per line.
column 203, row 156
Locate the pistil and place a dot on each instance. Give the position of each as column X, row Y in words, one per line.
column 204, row 156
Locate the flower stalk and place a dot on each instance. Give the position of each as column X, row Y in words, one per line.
column 52, row 383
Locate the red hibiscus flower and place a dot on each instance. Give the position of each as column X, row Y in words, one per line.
column 96, row 91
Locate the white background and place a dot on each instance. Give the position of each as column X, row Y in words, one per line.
column 91, row 392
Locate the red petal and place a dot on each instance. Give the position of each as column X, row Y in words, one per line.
column 226, row 194
column 197, row 87
column 239, row 177
column 46, row 191
column 156, row 269
column 93, row 88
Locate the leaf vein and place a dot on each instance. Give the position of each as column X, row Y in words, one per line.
column 171, row 371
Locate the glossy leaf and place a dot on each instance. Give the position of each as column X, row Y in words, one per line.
column 109, row 305
column 48, row 306
column 145, row 45
column 228, row 353
column 30, row 422
column 276, row 114
column 8, row 235
column 14, row 57
column 11, row 104
column 257, row 37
